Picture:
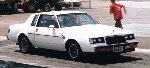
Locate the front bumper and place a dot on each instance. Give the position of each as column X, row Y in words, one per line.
column 118, row 48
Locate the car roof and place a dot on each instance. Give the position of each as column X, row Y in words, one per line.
column 60, row 12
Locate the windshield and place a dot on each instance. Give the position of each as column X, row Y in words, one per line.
column 75, row 19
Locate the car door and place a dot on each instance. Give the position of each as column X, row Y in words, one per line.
column 48, row 34
column 31, row 30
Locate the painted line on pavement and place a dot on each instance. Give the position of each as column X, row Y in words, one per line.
column 146, row 51
column 2, row 38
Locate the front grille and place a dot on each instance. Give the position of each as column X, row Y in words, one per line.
column 115, row 39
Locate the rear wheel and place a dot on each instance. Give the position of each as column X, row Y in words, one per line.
column 25, row 45
column 74, row 51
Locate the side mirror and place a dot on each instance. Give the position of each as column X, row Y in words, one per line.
column 51, row 26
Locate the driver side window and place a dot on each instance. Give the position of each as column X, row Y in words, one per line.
column 46, row 21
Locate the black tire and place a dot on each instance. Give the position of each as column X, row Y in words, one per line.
column 28, row 6
column 74, row 51
column 46, row 8
column 32, row 7
column 25, row 45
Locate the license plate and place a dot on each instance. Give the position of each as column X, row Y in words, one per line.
column 118, row 49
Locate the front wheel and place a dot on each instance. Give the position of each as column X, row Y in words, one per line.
column 74, row 51
column 25, row 45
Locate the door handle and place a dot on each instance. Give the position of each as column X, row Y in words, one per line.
column 36, row 30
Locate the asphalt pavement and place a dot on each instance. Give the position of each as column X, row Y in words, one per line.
column 100, row 11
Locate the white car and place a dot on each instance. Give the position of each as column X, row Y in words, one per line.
column 75, row 32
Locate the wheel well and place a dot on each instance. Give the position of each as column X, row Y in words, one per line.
column 71, row 41
column 20, row 36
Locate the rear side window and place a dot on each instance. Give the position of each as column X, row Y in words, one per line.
column 34, row 20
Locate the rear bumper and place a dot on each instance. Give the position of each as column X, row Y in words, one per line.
column 122, row 48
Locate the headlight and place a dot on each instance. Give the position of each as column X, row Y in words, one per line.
column 96, row 40
column 129, row 37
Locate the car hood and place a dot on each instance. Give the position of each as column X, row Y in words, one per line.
column 98, row 30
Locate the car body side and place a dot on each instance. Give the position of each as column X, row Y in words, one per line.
column 58, row 41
